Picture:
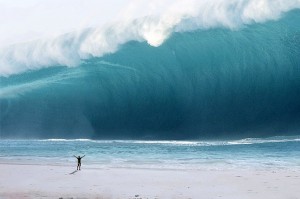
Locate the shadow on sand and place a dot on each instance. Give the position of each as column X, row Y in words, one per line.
column 73, row 172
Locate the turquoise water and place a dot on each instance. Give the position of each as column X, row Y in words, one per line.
column 210, row 84
column 279, row 152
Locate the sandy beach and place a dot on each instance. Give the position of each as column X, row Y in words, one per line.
column 49, row 181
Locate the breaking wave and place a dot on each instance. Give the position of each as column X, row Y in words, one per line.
column 176, row 16
column 216, row 69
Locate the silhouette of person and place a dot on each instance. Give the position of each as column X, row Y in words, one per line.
column 79, row 161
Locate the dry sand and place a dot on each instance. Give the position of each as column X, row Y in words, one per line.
column 41, row 181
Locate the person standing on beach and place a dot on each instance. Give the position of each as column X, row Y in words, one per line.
column 79, row 161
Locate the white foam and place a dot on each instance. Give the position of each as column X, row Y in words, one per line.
column 245, row 141
column 66, row 140
column 265, row 140
column 163, row 18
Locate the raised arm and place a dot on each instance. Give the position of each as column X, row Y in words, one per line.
column 74, row 156
column 82, row 156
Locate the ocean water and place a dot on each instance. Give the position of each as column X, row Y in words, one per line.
column 273, row 152
column 228, row 76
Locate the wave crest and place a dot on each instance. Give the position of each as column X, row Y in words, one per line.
column 178, row 16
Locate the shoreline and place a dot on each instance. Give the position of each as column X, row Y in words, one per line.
column 49, row 181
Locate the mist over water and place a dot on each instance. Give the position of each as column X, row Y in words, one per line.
column 206, row 83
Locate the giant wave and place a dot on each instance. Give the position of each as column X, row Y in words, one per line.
column 215, row 82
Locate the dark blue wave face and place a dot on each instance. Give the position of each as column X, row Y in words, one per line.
column 216, row 83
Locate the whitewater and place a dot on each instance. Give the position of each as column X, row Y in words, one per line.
column 71, row 48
